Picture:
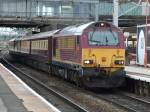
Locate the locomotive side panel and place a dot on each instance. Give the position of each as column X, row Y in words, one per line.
column 67, row 50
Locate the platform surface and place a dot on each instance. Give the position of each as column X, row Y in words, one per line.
column 138, row 73
column 137, row 69
column 9, row 102
column 16, row 96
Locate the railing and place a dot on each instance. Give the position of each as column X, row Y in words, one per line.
column 46, row 14
column 106, row 8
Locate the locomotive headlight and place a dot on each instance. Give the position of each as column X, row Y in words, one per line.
column 122, row 62
column 119, row 62
column 88, row 61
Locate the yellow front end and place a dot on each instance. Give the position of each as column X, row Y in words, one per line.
column 107, row 59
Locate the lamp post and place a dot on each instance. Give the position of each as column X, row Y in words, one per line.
column 146, row 33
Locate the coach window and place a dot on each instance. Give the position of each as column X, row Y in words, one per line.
column 36, row 44
column 39, row 45
column 46, row 45
column 43, row 44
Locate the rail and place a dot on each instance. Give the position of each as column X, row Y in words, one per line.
column 66, row 100
column 128, row 103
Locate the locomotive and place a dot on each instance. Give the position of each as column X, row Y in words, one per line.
column 91, row 54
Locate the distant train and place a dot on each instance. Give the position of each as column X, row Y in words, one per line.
column 91, row 54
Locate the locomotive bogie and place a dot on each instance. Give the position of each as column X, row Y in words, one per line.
column 101, row 79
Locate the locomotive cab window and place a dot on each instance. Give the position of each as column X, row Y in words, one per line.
column 103, row 38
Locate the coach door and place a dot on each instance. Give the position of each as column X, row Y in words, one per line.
column 54, row 47
column 50, row 49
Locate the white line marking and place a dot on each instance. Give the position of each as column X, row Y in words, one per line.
column 3, row 107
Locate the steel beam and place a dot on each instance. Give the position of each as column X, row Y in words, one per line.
column 115, row 13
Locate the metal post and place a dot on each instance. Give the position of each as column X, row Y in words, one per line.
column 115, row 13
column 96, row 12
column 26, row 8
column 146, row 33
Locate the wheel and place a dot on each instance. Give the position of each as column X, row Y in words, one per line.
column 79, row 80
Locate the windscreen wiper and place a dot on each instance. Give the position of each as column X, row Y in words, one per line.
column 91, row 36
column 97, row 42
column 112, row 33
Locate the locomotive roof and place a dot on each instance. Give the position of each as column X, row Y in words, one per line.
column 12, row 39
column 78, row 29
column 74, row 30
column 67, row 31
column 39, row 35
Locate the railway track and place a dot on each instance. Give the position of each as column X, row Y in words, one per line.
column 127, row 102
column 124, row 101
column 56, row 98
column 143, row 103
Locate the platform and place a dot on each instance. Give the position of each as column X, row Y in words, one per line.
column 16, row 96
column 9, row 101
column 138, row 73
